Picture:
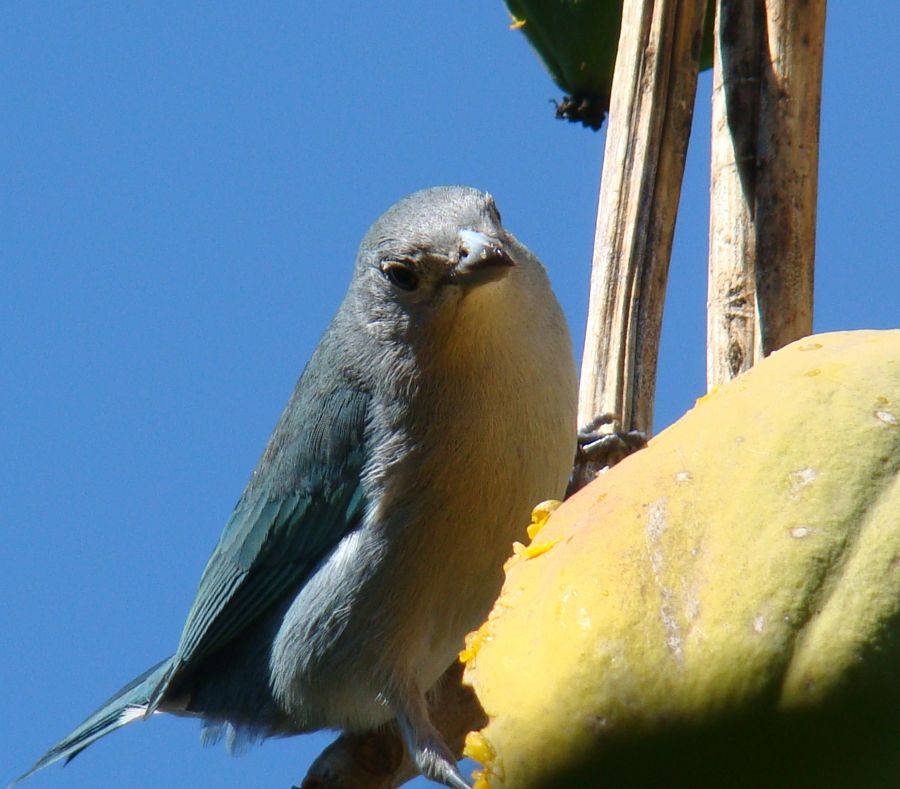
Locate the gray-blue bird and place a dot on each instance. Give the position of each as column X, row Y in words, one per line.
column 437, row 409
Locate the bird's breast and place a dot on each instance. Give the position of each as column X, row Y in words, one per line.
column 490, row 432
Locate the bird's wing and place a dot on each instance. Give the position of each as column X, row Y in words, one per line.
column 303, row 498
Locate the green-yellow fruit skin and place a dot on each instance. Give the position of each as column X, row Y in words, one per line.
column 723, row 607
column 577, row 41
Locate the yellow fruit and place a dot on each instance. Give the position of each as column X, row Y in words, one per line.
column 723, row 607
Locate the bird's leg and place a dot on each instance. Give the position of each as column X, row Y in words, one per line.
column 380, row 759
column 599, row 449
column 431, row 756
column 608, row 446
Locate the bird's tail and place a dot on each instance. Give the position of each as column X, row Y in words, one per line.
column 128, row 705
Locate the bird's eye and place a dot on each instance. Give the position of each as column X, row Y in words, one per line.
column 400, row 274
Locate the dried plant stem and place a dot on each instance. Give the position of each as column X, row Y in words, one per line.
column 649, row 125
column 764, row 173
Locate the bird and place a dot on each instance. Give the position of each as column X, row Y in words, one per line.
column 437, row 409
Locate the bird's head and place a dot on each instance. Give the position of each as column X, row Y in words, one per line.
column 427, row 255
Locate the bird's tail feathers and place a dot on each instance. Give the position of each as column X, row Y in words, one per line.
column 130, row 704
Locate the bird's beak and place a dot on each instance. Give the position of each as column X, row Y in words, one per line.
column 481, row 253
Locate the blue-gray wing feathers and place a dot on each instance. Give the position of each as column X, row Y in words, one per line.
column 304, row 496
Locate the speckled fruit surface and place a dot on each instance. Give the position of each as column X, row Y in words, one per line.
column 723, row 606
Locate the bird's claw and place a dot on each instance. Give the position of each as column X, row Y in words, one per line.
column 428, row 751
column 599, row 449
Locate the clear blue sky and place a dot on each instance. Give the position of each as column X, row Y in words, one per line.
column 183, row 191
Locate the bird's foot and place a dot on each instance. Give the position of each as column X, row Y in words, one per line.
column 599, row 449
column 426, row 748
column 436, row 763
